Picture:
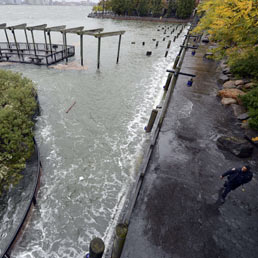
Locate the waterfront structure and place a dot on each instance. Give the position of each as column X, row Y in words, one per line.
column 48, row 53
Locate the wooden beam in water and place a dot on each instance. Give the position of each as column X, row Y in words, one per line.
column 109, row 34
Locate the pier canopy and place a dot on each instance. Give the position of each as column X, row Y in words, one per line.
column 48, row 52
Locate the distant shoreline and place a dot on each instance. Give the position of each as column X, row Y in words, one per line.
column 138, row 18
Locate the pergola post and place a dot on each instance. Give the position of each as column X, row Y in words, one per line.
column 27, row 41
column 45, row 37
column 8, row 42
column 99, row 43
column 15, row 41
column 66, row 52
column 81, row 45
column 118, row 51
column 33, row 42
column 50, row 44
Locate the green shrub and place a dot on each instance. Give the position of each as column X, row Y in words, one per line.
column 245, row 66
column 250, row 100
column 17, row 106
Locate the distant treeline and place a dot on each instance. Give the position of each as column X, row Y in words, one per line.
column 155, row 8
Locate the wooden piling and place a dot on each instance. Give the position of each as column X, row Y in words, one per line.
column 118, row 51
column 176, row 61
column 153, row 116
column 120, row 235
column 168, row 81
column 97, row 248
column 169, row 43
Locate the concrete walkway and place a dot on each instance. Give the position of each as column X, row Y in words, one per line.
column 177, row 214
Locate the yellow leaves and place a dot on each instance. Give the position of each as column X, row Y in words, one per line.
column 230, row 21
column 255, row 139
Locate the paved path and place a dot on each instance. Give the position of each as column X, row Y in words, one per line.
column 177, row 214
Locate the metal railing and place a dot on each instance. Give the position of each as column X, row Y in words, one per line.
column 38, row 53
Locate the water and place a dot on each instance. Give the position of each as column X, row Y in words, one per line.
column 89, row 155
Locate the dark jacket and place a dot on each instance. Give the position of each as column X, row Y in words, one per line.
column 237, row 177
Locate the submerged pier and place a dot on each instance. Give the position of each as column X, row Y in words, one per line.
column 48, row 53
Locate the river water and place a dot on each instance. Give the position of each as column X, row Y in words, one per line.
column 89, row 155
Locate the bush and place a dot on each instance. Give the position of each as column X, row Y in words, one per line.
column 17, row 106
column 245, row 66
column 250, row 100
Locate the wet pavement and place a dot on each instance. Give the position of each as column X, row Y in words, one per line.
column 177, row 213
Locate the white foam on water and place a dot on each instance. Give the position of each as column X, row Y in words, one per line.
column 135, row 133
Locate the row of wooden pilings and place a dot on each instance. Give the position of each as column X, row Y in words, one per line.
column 97, row 246
column 149, row 53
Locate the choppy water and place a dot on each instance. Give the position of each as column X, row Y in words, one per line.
column 89, row 155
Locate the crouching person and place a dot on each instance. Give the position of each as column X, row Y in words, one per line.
column 235, row 178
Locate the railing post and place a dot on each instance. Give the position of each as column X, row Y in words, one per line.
column 97, row 248
column 121, row 232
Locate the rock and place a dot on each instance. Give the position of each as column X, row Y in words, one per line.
column 205, row 40
column 231, row 93
column 229, row 85
column 226, row 70
column 228, row 101
column 239, row 82
column 243, row 116
column 223, row 78
column 237, row 146
column 238, row 110
column 245, row 124
column 248, row 85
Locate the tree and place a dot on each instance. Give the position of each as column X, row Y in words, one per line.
column 233, row 24
column 156, row 8
column 171, row 12
column 184, row 8
column 142, row 8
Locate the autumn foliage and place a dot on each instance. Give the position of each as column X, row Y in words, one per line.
column 233, row 24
